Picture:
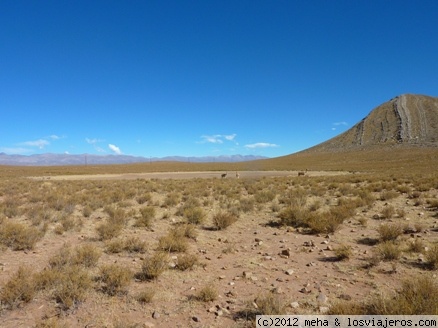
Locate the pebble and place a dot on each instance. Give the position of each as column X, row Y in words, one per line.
column 289, row 272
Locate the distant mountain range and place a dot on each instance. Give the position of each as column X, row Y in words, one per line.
column 50, row 159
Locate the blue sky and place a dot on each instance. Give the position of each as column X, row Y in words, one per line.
column 202, row 78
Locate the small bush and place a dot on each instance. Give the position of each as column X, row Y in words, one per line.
column 172, row 199
column 134, row 245
column 145, row 296
column 194, row 215
column 86, row 255
column 388, row 251
column 115, row 246
column 387, row 195
column 416, row 245
column 115, row 278
column 186, row 230
column 343, row 252
column 19, row 289
column 186, row 262
column 432, row 257
column 207, row 294
column 388, row 212
column 18, row 236
column 145, row 220
column 108, row 230
column 264, row 196
column 270, row 304
column 154, row 266
column 223, row 220
column 246, row 204
column 173, row 242
column 294, row 216
column 389, row 232
column 71, row 287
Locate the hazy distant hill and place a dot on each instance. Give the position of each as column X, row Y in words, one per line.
column 87, row 159
column 406, row 119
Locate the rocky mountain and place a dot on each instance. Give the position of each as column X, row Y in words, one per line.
column 404, row 120
column 87, row 159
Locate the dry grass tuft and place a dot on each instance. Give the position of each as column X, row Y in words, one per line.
column 153, row 266
column 207, row 294
column 223, row 220
column 18, row 236
column 115, row 278
column 19, row 289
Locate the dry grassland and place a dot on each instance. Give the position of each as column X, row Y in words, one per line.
column 137, row 250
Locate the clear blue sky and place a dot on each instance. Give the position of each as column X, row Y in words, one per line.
column 201, row 78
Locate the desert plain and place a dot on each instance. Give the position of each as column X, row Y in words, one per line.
column 134, row 247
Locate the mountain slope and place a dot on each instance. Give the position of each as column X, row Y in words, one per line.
column 406, row 119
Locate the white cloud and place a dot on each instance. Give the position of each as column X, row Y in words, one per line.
column 340, row 123
column 55, row 137
column 213, row 139
column 115, row 149
column 40, row 143
column 218, row 138
column 93, row 141
column 261, row 145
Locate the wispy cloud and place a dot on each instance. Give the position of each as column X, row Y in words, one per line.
column 336, row 124
column 94, row 142
column 40, row 143
column 115, row 149
column 218, row 138
column 261, row 145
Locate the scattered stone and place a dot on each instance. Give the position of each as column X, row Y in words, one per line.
column 155, row 315
column 195, row 319
column 311, row 264
column 247, row 274
column 222, row 277
column 257, row 240
column 325, row 242
column 305, row 290
column 285, row 252
column 294, row 305
column 329, row 248
column 289, row 272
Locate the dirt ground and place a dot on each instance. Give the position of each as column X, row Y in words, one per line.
column 249, row 259
column 193, row 175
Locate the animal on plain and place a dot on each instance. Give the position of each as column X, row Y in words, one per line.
column 237, row 175
column 303, row 173
column 224, row 175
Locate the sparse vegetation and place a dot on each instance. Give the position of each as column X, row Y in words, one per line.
column 153, row 266
column 223, row 220
column 207, row 293
column 148, row 226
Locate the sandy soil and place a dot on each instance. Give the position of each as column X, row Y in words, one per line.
column 191, row 175
column 252, row 257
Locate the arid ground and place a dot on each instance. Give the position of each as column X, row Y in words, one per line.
column 193, row 249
